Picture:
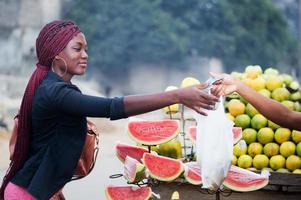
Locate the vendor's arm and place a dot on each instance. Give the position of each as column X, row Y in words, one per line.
column 271, row 109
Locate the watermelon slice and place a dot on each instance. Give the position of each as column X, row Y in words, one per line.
column 128, row 192
column 162, row 168
column 123, row 150
column 192, row 173
column 133, row 170
column 237, row 134
column 243, row 180
column 153, row 132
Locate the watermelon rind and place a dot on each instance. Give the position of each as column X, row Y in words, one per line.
column 120, row 192
column 242, row 176
column 192, row 169
column 154, row 137
column 133, row 170
column 123, row 150
column 151, row 161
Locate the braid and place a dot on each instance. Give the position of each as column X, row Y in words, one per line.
column 52, row 39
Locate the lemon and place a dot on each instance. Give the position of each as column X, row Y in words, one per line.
column 260, row 161
column 230, row 117
column 271, row 71
column 249, row 135
column 234, row 160
column 244, row 161
column 255, row 149
column 298, row 149
column 265, row 93
column 297, row 171
column 296, row 136
column 258, row 121
column 293, row 162
column 189, row 81
column 282, row 135
column 272, row 125
column 242, row 121
column 277, row 162
column 240, row 148
column 251, row 110
column 287, row 148
column 280, row 94
column 265, row 135
column 236, row 107
column 273, row 82
column 271, row 149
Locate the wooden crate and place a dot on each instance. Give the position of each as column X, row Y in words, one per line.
column 282, row 186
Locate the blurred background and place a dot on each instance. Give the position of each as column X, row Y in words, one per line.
column 138, row 46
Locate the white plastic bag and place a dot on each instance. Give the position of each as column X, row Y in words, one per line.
column 214, row 146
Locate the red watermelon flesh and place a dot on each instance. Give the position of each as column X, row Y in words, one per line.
column 123, row 150
column 243, row 180
column 133, row 170
column 193, row 173
column 237, row 134
column 153, row 132
column 162, row 168
column 128, row 193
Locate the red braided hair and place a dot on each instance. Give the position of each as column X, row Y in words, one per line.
column 52, row 39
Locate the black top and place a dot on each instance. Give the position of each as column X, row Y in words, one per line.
column 59, row 125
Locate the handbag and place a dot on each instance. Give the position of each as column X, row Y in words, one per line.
column 89, row 154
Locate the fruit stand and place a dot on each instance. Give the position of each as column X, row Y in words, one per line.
column 163, row 161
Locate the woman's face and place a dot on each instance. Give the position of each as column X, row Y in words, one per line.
column 75, row 56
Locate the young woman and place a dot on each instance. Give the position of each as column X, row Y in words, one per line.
column 52, row 123
column 271, row 109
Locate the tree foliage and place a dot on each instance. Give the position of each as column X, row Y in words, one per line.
column 243, row 32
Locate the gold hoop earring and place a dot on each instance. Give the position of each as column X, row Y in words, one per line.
column 66, row 67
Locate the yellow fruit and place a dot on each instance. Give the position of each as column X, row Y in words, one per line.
column 242, row 121
column 254, row 149
column 172, row 108
column 249, row 135
column 265, row 93
column 253, row 71
column 298, row 149
column 175, row 195
column 287, row 149
column 297, row 171
column 230, row 117
column 272, row 125
column 287, row 79
column 260, row 161
column 273, row 82
column 293, row 162
column 258, row 83
column 172, row 149
column 271, row 149
column 240, row 148
column 271, row 71
column 296, row 136
column 236, row 107
column 234, row 160
column 268, row 169
column 283, row 170
column 282, row 135
column 189, row 81
column 258, row 121
column 244, row 161
column 277, row 162
column 265, row 135
column 280, row 94
column 251, row 110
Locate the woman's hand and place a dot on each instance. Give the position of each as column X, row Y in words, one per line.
column 228, row 85
column 195, row 98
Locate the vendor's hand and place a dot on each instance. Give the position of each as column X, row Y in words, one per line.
column 195, row 98
column 228, row 85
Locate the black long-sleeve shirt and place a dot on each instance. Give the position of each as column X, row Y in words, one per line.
column 59, row 125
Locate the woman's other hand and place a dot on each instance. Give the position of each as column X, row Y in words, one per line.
column 195, row 98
